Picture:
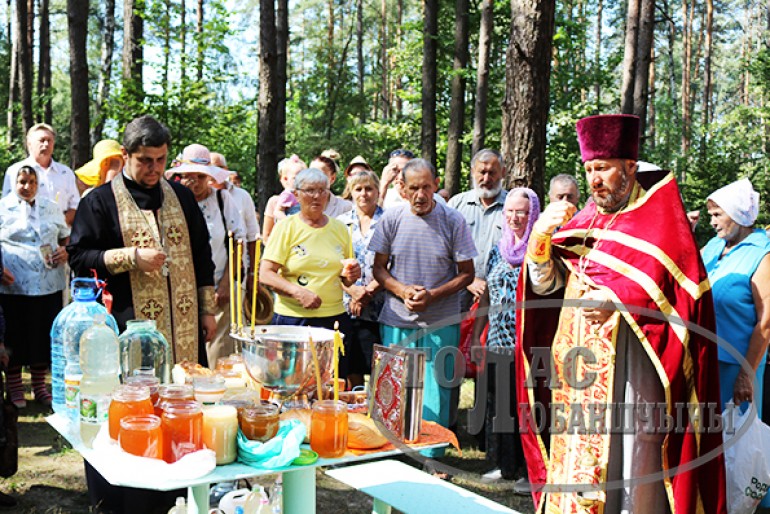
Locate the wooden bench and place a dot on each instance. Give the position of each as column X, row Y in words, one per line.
column 393, row 483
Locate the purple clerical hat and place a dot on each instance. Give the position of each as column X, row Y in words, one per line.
column 609, row 136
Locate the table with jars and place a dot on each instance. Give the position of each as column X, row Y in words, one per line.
column 245, row 396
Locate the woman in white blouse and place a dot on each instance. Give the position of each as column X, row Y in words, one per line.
column 33, row 236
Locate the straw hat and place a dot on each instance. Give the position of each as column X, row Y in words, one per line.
column 197, row 159
column 358, row 160
column 91, row 172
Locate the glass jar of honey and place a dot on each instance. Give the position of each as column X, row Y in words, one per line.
column 170, row 393
column 151, row 382
column 128, row 400
column 182, row 426
column 329, row 428
column 260, row 422
column 141, row 435
column 220, row 432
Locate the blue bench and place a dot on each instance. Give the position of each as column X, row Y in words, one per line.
column 398, row 485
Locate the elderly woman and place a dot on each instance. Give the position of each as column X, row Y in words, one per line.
column 107, row 162
column 364, row 299
column 307, row 261
column 520, row 211
column 336, row 205
column 222, row 216
column 33, row 235
column 738, row 265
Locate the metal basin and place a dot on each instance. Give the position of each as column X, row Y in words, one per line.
column 278, row 357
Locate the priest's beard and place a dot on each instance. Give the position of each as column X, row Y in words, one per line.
column 617, row 197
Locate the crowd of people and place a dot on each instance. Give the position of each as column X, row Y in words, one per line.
column 392, row 260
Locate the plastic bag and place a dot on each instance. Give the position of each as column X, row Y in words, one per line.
column 746, row 460
column 466, row 342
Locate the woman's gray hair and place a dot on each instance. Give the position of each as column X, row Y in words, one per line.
column 310, row 176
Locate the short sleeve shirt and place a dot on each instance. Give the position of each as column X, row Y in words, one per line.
column 311, row 258
column 486, row 224
column 209, row 206
column 423, row 250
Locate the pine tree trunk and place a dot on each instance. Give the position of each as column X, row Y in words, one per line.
column 429, row 75
column 525, row 107
column 24, row 63
column 686, row 67
column 44, row 64
column 707, row 66
column 166, row 28
column 105, row 70
column 360, row 53
column 31, row 33
column 454, row 154
column 183, row 42
column 133, row 51
column 643, row 57
column 399, row 39
column 486, row 29
column 651, row 108
column 77, row 21
column 13, row 86
column 630, row 57
column 267, row 154
column 199, row 33
column 384, row 84
column 597, row 71
column 281, row 71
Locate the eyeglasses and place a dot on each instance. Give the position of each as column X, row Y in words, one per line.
column 402, row 153
column 313, row 192
column 518, row 214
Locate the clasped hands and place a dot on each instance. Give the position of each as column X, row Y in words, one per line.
column 416, row 298
column 598, row 315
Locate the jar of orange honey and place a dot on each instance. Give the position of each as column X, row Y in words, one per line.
column 182, row 427
column 150, row 381
column 329, row 428
column 260, row 422
column 172, row 393
column 141, row 435
column 128, row 400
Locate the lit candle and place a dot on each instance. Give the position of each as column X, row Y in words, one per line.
column 232, row 280
column 238, row 285
column 338, row 347
column 257, row 255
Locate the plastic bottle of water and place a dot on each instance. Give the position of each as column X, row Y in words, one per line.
column 66, row 330
column 180, row 507
column 100, row 362
column 276, row 496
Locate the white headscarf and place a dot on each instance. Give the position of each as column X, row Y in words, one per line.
column 739, row 201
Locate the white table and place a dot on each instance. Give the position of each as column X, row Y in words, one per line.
column 299, row 487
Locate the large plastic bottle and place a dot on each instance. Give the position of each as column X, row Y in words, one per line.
column 66, row 330
column 180, row 507
column 100, row 362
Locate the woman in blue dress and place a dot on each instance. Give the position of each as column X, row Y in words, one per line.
column 497, row 305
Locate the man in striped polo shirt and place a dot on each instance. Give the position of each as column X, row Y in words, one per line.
column 424, row 259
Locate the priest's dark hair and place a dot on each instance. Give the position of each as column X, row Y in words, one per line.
column 145, row 131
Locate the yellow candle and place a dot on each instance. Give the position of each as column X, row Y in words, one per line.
column 232, row 279
column 220, row 432
column 350, row 246
column 316, row 366
column 238, row 285
column 338, row 347
column 257, row 255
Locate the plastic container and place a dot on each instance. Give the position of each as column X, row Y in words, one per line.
column 233, row 499
column 179, row 508
column 66, row 331
column 143, row 347
column 101, row 369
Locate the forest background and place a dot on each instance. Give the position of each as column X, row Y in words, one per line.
column 260, row 79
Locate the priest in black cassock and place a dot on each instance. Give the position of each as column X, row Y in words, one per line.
column 148, row 238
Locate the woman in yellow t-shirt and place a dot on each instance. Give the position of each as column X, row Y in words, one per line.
column 308, row 258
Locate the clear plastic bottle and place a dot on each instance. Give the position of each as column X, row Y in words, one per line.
column 100, row 362
column 179, row 508
column 66, row 330
column 276, row 496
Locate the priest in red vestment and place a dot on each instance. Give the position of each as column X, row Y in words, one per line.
column 618, row 384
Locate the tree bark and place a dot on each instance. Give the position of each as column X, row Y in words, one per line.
column 24, row 63
column 454, row 154
column 399, row 39
column 360, row 53
column 707, row 66
column 526, row 103
column 13, row 84
column 686, row 67
column 384, row 83
column 44, row 64
column 31, row 33
column 183, row 42
column 77, row 21
column 133, row 51
column 201, row 46
column 105, row 71
column 282, row 51
column 429, row 75
column 597, row 71
column 630, row 57
column 486, row 29
column 643, row 57
column 267, row 154
column 651, row 109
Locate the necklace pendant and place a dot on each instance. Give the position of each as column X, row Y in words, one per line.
column 165, row 269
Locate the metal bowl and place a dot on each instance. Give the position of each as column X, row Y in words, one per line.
column 278, row 357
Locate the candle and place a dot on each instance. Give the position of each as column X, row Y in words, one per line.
column 238, row 285
column 232, row 280
column 220, row 432
column 338, row 347
column 317, row 368
column 350, row 245
column 257, row 255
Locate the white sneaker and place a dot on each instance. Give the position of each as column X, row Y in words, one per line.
column 522, row 487
column 495, row 474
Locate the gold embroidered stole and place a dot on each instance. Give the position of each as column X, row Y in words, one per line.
column 172, row 301
column 580, row 438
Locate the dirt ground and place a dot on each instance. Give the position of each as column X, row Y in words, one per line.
column 50, row 477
